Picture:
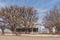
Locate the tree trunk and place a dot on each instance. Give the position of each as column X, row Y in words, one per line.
column 2, row 31
column 26, row 31
column 50, row 31
column 32, row 30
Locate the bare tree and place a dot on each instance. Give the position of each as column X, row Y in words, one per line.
column 15, row 16
column 52, row 19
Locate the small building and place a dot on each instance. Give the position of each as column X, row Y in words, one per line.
column 26, row 30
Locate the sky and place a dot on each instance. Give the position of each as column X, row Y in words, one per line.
column 40, row 5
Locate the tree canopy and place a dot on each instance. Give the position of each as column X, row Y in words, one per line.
column 52, row 19
column 17, row 16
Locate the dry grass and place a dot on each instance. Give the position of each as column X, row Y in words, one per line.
column 23, row 37
column 27, row 38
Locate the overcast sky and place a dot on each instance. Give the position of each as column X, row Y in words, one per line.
column 40, row 5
